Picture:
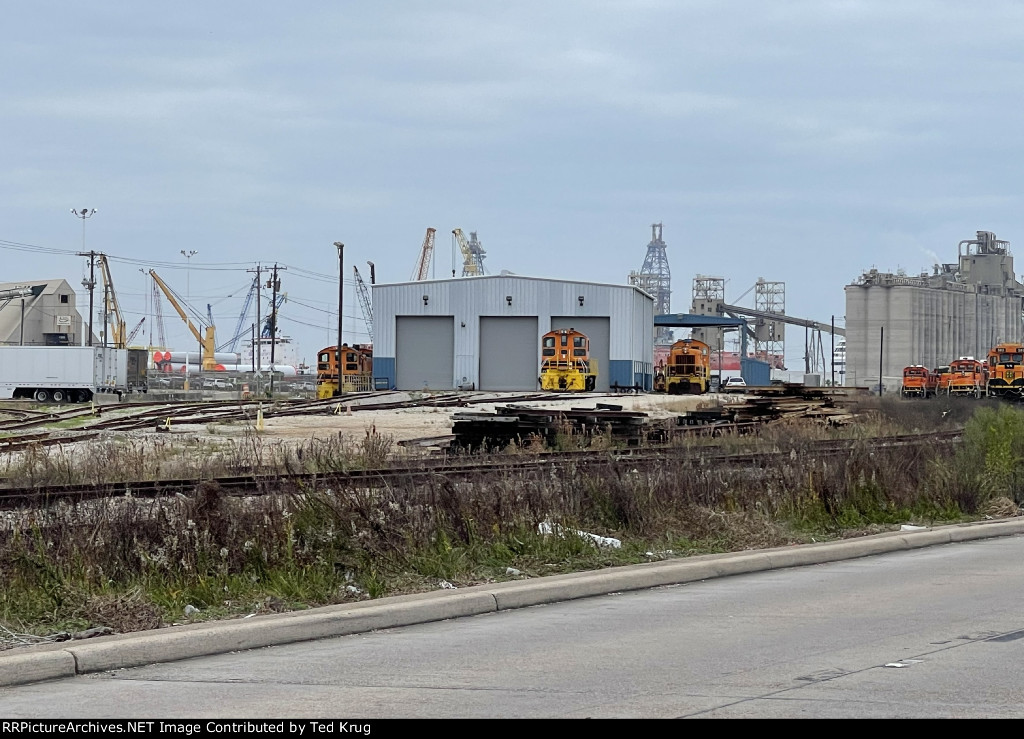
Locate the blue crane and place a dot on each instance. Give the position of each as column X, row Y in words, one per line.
column 242, row 328
column 265, row 333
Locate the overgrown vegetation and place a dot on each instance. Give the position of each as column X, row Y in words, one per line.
column 130, row 564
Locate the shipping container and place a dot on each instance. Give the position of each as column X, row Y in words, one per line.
column 62, row 373
column 138, row 366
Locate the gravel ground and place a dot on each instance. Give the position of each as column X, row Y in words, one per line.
column 414, row 423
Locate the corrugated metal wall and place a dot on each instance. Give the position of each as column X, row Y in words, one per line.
column 630, row 313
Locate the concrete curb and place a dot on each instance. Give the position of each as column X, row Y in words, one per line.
column 67, row 659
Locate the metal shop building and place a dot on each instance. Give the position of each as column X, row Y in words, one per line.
column 40, row 313
column 485, row 332
column 961, row 309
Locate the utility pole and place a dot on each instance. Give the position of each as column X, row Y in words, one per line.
column 275, row 286
column 145, row 300
column 91, row 283
column 833, row 352
column 881, row 351
column 341, row 303
column 259, row 327
column 106, row 302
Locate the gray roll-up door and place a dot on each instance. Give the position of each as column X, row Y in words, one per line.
column 425, row 352
column 509, row 353
column 598, row 330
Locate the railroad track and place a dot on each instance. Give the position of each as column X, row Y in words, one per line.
column 451, row 469
column 155, row 414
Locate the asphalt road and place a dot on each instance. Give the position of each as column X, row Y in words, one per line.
column 932, row 632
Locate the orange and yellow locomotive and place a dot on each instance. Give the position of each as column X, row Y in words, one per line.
column 565, row 362
column 357, row 370
column 918, row 381
column 1006, row 370
column 688, row 369
column 966, row 376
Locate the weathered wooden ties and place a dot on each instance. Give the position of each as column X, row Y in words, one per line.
column 514, row 424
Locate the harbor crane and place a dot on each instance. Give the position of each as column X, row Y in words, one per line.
column 478, row 252
column 135, row 331
column 472, row 253
column 112, row 315
column 268, row 325
column 206, row 340
column 426, row 253
column 159, row 313
column 243, row 325
column 364, row 301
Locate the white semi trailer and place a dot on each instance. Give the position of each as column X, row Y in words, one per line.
column 62, row 374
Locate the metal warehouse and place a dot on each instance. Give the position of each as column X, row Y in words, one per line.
column 485, row 332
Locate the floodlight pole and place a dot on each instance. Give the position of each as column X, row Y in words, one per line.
column 84, row 213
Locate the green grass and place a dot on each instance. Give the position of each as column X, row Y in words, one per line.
column 133, row 564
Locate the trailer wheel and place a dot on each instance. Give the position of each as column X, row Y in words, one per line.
column 59, row 396
column 42, row 396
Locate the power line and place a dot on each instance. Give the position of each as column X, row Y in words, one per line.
column 17, row 246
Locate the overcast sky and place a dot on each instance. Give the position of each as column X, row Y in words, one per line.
column 797, row 141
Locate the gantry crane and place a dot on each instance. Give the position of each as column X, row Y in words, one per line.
column 111, row 308
column 426, row 252
column 206, row 340
column 472, row 253
column 364, row 301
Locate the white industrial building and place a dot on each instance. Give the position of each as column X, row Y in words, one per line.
column 40, row 313
column 485, row 332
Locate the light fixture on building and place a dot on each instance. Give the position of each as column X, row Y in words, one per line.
column 580, row 298
column 508, row 299
column 426, row 299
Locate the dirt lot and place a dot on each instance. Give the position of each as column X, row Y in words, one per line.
column 416, row 423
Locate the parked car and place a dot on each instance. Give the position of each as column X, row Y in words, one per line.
column 734, row 385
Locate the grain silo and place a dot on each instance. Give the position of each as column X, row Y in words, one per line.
column 959, row 310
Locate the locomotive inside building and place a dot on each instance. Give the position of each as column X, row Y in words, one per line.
column 566, row 364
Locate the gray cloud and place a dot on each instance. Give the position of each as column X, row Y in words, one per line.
column 798, row 141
